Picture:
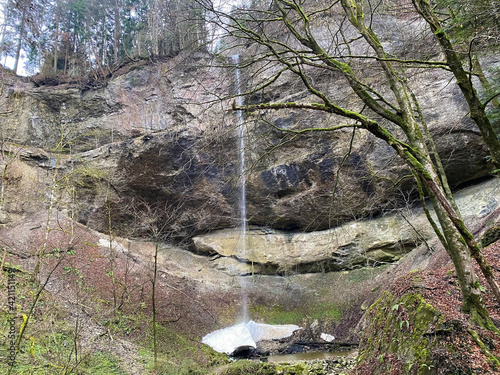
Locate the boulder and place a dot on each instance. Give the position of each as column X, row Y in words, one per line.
column 353, row 245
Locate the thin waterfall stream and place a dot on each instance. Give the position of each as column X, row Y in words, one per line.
column 244, row 335
column 242, row 204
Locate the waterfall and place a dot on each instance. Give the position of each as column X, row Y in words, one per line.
column 245, row 335
column 242, row 203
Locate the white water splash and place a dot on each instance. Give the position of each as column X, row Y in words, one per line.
column 246, row 335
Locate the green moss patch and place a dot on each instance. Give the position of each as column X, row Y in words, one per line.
column 491, row 235
column 398, row 335
column 407, row 335
column 278, row 314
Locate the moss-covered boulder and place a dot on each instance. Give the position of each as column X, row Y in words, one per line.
column 491, row 235
column 407, row 335
column 396, row 336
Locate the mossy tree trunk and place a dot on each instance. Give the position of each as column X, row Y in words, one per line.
column 477, row 110
column 473, row 303
column 452, row 233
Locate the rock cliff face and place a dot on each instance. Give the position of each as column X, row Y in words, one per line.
column 352, row 245
column 156, row 136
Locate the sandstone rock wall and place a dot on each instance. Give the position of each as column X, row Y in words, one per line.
column 352, row 245
column 157, row 136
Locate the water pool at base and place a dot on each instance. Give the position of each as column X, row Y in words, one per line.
column 307, row 356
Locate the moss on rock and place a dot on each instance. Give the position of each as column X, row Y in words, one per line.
column 490, row 236
column 405, row 334
column 397, row 335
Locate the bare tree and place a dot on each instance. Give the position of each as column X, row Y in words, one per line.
column 156, row 219
column 477, row 108
column 285, row 38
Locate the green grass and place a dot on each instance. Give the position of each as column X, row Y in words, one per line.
column 363, row 274
column 48, row 344
column 275, row 314
column 280, row 315
column 53, row 353
column 178, row 355
column 327, row 312
column 102, row 363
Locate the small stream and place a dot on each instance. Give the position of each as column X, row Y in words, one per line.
column 308, row 356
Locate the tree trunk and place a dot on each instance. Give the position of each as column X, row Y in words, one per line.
column 476, row 108
column 6, row 15
column 431, row 177
column 458, row 241
column 56, row 40
column 467, row 237
column 116, row 32
column 478, row 70
column 20, row 41
column 40, row 58
column 139, row 35
column 412, row 148
column 473, row 303
column 153, row 302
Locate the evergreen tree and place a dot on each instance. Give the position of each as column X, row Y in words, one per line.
column 77, row 37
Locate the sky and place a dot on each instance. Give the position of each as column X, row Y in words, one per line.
column 9, row 61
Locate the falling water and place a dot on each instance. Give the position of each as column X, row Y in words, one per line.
column 244, row 336
column 235, row 59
